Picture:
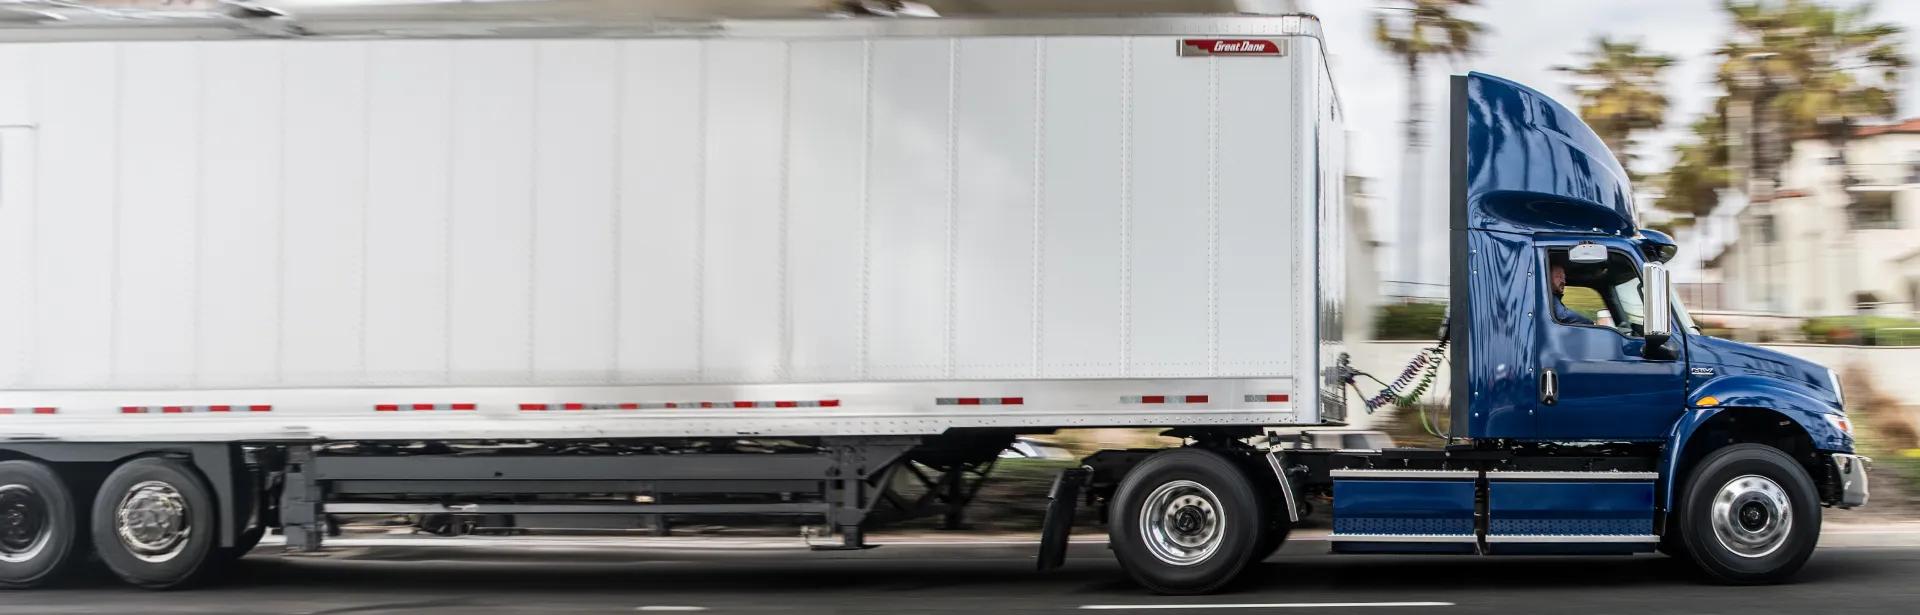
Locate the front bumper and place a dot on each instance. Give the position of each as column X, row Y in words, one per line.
column 1851, row 471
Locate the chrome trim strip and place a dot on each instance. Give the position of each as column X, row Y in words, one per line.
column 1572, row 538
column 1402, row 538
column 1608, row 475
column 345, row 24
column 1420, row 474
column 1286, row 487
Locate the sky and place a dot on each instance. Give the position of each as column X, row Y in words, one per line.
column 1525, row 39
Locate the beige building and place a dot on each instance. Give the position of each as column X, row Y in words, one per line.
column 1838, row 238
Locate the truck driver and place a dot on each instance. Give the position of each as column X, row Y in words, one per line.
column 1561, row 314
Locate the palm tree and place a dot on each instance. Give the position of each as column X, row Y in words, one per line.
column 1620, row 93
column 1419, row 30
column 1811, row 70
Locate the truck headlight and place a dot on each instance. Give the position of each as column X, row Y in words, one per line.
column 1840, row 422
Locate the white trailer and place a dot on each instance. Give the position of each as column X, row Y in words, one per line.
column 254, row 282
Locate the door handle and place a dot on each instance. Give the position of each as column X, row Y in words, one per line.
column 1549, row 387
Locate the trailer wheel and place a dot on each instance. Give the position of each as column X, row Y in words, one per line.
column 154, row 524
column 242, row 545
column 1185, row 521
column 1751, row 515
column 38, row 527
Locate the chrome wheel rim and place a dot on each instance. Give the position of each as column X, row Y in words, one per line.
column 153, row 521
column 1182, row 523
column 25, row 527
column 1752, row 516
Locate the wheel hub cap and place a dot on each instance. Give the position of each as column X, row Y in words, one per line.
column 24, row 526
column 1752, row 516
column 1182, row 523
column 153, row 521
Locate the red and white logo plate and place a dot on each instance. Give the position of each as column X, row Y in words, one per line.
column 1232, row 47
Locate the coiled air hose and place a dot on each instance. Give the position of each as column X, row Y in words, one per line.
column 1405, row 391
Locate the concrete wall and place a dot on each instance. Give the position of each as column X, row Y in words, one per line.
column 1894, row 371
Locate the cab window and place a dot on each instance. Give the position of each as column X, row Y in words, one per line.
column 1606, row 294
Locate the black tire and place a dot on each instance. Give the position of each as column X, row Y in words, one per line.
column 242, row 545
column 1272, row 538
column 1237, row 517
column 179, row 565
column 1738, row 469
column 39, row 529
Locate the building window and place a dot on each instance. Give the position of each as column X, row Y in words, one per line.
column 1870, row 211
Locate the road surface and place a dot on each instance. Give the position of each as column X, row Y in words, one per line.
column 1864, row 569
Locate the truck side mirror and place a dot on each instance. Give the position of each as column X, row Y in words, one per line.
column 1659, row 306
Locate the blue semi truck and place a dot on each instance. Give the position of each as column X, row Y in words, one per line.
column 613, row 273
column 1636, row 433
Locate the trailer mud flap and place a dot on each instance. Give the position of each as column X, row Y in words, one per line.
column 1054, row 531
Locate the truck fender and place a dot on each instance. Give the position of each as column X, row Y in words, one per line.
column 1744, row 393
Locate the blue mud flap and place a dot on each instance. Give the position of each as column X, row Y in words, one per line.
column 1570, row 512
column 1404, row 511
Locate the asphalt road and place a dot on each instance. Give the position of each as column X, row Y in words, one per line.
column 1866, row 570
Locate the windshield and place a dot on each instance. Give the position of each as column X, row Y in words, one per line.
column 1681, row 317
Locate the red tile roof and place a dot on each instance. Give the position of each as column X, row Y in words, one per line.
column 1909, row 126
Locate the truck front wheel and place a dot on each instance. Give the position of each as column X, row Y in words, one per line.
column 154, row 523
column 1751, row 515
column 38, row 527
column 1185, row 521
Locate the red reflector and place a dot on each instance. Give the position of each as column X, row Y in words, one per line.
column 219, row 408
column 45, row 410
column 743, row 404
column 132, row 410
column 1276, row 398
column 706, row 404
column 829, row 403
column 260, row 408
column 1013, row 401
column 172, row 410
column 629, row 406
column 423, row 406
column 463, row 407
column 1196, row 399
column 387, row 407
column 573, row 407
column 786, row 404
column 6, row 411
column 533, row 407
column 1153, row 399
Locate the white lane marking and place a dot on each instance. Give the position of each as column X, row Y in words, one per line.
column 668, row 609
column 1270, row 605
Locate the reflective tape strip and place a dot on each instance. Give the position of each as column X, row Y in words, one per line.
column 1267, row 398
column 678, row 405
column 33, row 410
column 981, row 401
column 216, row 408
column 1164, row 399
column 461, row 407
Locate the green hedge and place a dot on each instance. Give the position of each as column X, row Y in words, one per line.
column 1408, row 321
column 1863, row 330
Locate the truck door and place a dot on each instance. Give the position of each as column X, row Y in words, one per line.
column 1594, row 382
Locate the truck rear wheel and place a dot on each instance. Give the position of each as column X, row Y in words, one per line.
column 154, row 523
column 1751, row 515
column 1185, row 521
column 38, row 527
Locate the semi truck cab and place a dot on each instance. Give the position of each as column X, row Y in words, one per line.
column 1621, row 429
